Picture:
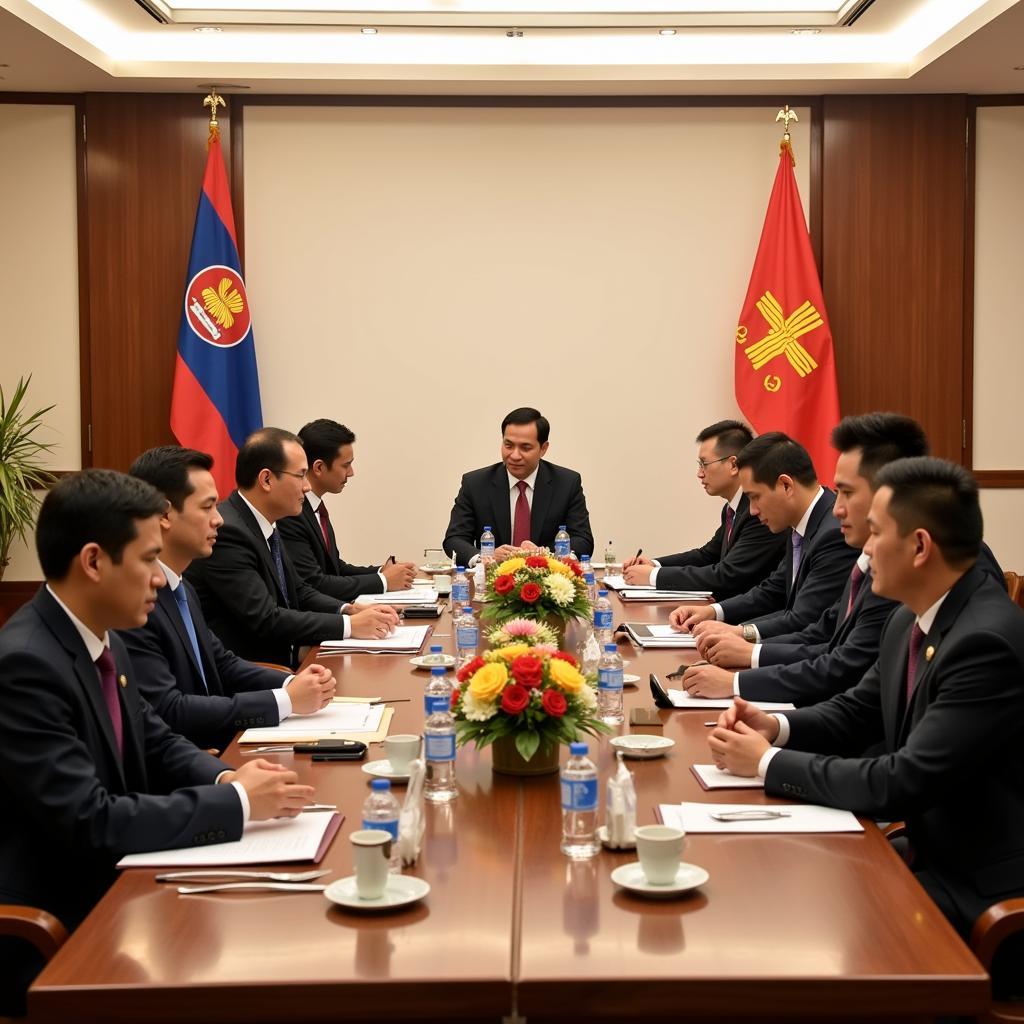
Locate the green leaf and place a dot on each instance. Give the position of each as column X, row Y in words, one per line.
column 527, row 744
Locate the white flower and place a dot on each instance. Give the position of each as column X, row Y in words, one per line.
column 587, row 697
column 477, row 710
column 560, row 589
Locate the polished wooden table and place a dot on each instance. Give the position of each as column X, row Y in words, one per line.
column 812, row 926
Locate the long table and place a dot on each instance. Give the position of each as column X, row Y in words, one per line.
column 813, row 926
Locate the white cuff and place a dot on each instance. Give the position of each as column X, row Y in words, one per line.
column 736, row 684
column 244, row 797
column 654, row 577
column 717, row 609
column 755, row 656
column 766, row 757
column 284, row 701
column 783, row 738
column 383, row 580
column 472, row 562
column 347, row 627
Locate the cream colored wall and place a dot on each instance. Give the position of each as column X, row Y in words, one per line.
column 39, row 279
column 418, row 272
column 1002, row 512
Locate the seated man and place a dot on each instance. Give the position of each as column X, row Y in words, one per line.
column 945, row 699
column 88, row 772
column 743, row 550
column 199, row 688
column 309, row 537
column 522, row 499
column 250, row 593
column 778, row 477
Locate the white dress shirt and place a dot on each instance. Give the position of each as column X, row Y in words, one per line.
column 315, row 501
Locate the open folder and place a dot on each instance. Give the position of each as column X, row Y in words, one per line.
column 658, row 635
column 403, row 640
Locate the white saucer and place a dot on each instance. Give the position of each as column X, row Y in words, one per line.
column 400, row 890
column 437, row 570
column 382, row 770
column 423, row 661
column 630, row 680
column 642, row 745
column 631, row 877
column 602, row 834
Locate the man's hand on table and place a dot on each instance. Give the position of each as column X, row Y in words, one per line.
column 726, row 650
column 311, row 689
column 707, row 681
column 374, row 622
column 272, row 789
column 686, row 616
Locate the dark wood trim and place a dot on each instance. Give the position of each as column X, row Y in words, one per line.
column 84, row 324
column 967, row 455
column 815, row 201
column 15, row 593
column 1001, row 100
column 60, row 99
column 999, row 477
column 237, row 176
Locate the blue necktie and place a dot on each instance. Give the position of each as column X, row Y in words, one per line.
column 275, row 550
column 190, row 627
column 798, row 543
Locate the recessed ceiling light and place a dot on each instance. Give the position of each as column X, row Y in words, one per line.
column 207, row 28
column 666, row 31
column 806, row 31
column 367, row 30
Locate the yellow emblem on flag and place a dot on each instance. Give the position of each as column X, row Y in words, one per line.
column 223, row 303
column 782, row 335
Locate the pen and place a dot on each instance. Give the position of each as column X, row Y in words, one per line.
column 391, row 560
column 320, row 807
column 712, row 724
column 639, row 552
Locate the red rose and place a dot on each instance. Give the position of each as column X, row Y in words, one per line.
column 554, row 703
column 468, row 669
column 574, row 565
column 530, row 593
column 565, row 656
column 537, row 562
column 503, row 584
column 455, row 696
column 514, row 699
column 527, row 670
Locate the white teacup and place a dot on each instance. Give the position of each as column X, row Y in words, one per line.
column 660, row 848
column 443, row 584
column 401, row 750
column 371, row 852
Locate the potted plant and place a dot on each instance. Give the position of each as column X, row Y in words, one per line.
column 22, row 475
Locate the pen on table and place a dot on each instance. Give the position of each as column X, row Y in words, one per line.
column 320, row 807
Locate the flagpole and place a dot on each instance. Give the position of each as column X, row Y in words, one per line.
column 785, row 115
column 215, row 100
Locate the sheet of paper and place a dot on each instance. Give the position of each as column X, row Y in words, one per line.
column 416, row 595
column 681, row 699
column 355, row 721
column 617, row 581
column 281, row 840
column 650, row 594
column 408, row 639
column 713, row 777
column 663, row 636
column 692, row 817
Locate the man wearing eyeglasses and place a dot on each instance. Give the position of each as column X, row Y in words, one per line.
column 250, row 593
column 743, row 550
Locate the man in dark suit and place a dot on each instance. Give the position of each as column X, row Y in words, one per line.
column 945, row 699
column 250, row 593
column 743, row 550
column 309, row 537
column 196, row 685
column 522, row 499
column 778, row 477
column 88, row 772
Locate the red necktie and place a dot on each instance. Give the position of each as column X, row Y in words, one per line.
column 856, row 579
column 730, row 515
column 916, row 639
column 321, row 513
column 108, row 681
column 521, row 526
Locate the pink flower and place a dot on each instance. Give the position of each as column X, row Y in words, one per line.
column 521, row 627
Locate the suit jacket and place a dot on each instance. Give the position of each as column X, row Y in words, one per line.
column 321, row 568
column 236, row 695
column 953, row 761
column 72, row 805
column 726, row 568
column 242, row 597
column 483, row 500
column 782, row 604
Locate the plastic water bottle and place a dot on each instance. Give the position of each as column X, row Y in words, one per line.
column 603, row 618
column 436, row 655
column 380, row 810
column 487, row 543
column 460, row 588
column 579, row 805
column 589, row 579
column 439, row 739
column 467, row 637
column 610, row 560
column 562, row 543
column 609, row 686
column 589, row 653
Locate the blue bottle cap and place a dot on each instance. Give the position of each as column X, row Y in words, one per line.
column 576, row 749
column 460, row 568
column 467, row 610
column 610, row 648
column 435, row 648
column 602, row 593
column 380, row 785
column 487, row 529
column 562, row 527
column 584, row 558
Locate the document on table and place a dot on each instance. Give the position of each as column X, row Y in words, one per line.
column 416, row 595
column 336, row 721
column 692, row 817
column 712, row 777
column 682, row 699
column 650, row 594
column 659, row 635
column 280, row 840
column 403, row 640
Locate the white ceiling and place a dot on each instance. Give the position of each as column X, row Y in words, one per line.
column 463, row 46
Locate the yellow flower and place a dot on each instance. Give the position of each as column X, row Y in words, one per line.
column 512, row 651
column 556, row 566
column 564, row 676
column 488, row 682
column 511, row 565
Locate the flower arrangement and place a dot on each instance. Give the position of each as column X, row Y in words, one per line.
column 535, row 693
column 535, row 585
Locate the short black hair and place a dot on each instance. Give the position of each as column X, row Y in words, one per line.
column 882, row 437
column 731, row 436
column 525, row 415
column 262, row 449
column 940, row 497
column 770, row 455
column 93, row 506
column 323, row 438
column 166, row 468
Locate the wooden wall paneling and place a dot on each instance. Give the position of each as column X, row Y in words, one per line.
column 893, row 182
column 145, row 156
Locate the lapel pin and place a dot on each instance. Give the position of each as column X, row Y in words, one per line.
column 123, row 680
column 929, row 653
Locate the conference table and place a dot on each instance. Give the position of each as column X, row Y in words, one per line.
column 788, row 926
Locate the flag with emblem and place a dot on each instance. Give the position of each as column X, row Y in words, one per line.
column 215, row 404
column 785, row 370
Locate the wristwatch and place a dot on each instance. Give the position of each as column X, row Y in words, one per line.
column 750, row 633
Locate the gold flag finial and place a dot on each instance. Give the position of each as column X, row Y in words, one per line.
column 213, row 101
column 785, row 115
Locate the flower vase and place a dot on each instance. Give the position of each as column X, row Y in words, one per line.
column 569, row 633
column 506, row 759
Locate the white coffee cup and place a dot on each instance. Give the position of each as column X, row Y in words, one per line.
column 401, row 750
column 660, row 848
column 371, row 851
column 443, row 584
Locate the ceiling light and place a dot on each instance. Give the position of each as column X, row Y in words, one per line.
column 666, row 31
column 368, row 30
column 806, row 31
column 207, row 28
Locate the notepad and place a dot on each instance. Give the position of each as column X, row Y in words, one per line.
column 682, row 699
column 712, row 777
column 659, row 635
column 693, row 817
column 650, row 594
column 403, row 640
column 416, row 595
column 366, row 722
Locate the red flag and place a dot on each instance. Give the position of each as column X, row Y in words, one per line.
column 785, row 369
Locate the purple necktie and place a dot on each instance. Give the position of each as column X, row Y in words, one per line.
column 275, row 551
column 324, row 520
column 916, row 639
column 730, row 515
column 856, row 579
column 798, row 543
column 521, row 526
column 108, row 682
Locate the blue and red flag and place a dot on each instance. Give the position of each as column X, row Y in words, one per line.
column 215, row 404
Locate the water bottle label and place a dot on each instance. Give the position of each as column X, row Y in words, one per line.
column 579, row 794
column 562, row 549
column 460, row 593
column 603, row 618
column 609, row 679
column 385, row 826
column 487, row 549
column 440, row 748
column 467, row 636
column 434, row 703
column 589, row 579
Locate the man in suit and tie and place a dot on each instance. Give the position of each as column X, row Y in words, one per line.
column 945, row 699
column 250, row 593
column 779, row 479
column 195, row 684
column 88, row 771
column 309, row 537
column 523, row 499
column 743, row 550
